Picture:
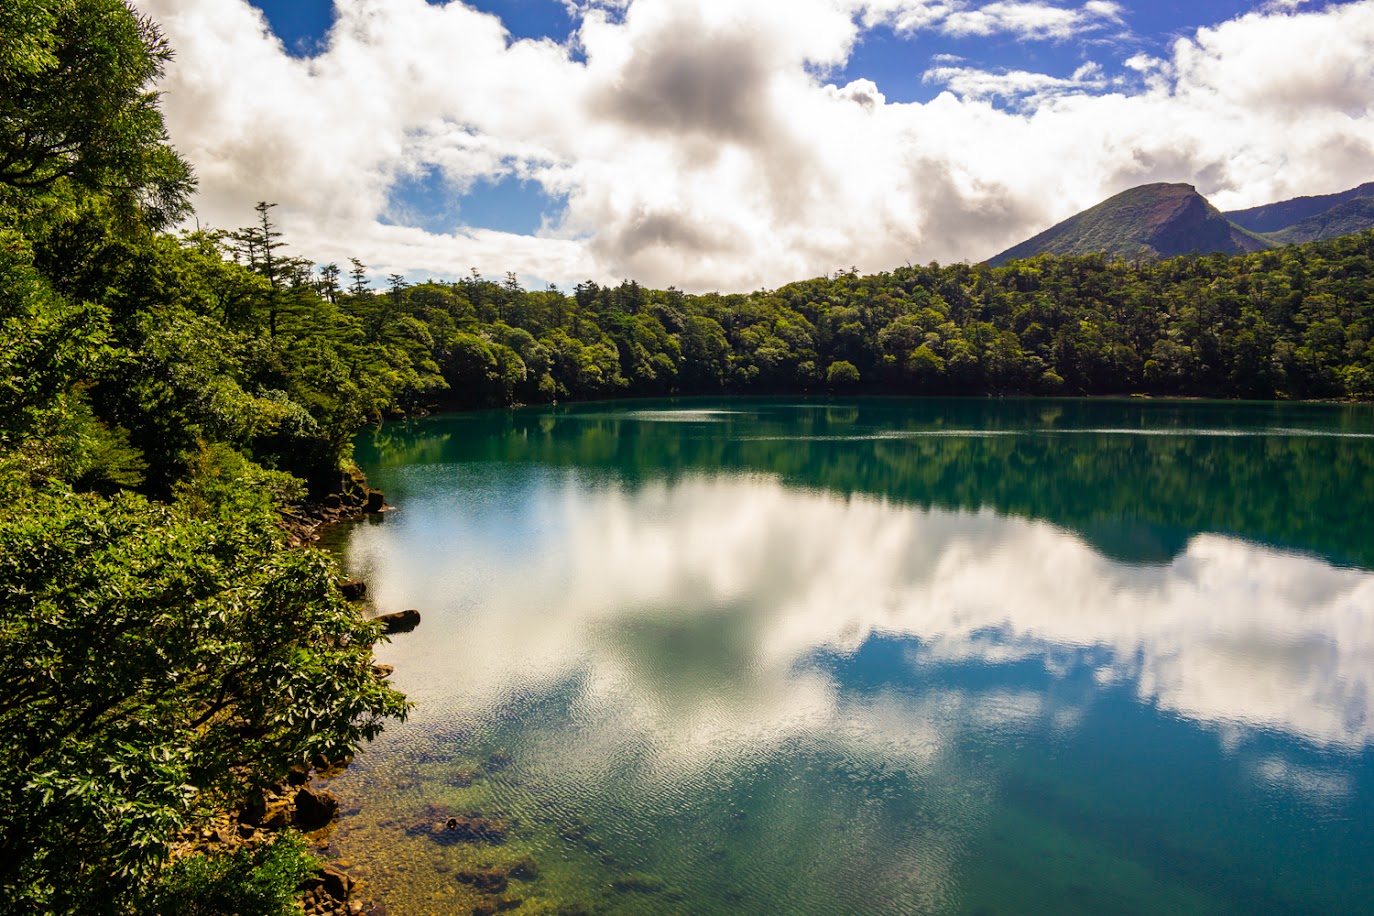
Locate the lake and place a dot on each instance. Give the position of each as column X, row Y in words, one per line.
column 873, row 656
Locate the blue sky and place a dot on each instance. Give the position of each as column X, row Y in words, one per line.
column 733, row 144
column 894, row 62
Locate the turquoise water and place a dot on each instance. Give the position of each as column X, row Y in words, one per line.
column 874, row 656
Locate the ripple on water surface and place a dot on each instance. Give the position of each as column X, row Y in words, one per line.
column 793, row 669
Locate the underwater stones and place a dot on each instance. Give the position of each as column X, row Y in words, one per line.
column 575, row 831
column 441, row 827
column 492, row 907
column 638, row 883
column 328, row 769
column 486, row 880
column 498, row 761
column 524, row 869
column 399, row 621
column 475, row 829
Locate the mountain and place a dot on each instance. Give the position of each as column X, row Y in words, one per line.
column 1343, row 219
column 1155, row 220
column 1287, row 213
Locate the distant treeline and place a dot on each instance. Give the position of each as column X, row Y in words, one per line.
column 1292, row 323
column 219, row 336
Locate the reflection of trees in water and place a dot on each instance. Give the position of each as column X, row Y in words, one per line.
column 1099, row 468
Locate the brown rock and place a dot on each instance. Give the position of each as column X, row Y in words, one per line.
column 353, row 589
column 314, row 809
column 337, row 884
column 278, row 815
column 253, row 810
column 400, row 621
column 376, row 500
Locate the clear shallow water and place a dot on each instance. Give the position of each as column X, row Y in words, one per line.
column 887, row 656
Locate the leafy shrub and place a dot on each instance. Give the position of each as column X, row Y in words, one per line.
column 260, row 882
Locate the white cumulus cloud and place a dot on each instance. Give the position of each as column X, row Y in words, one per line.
column 706, row 144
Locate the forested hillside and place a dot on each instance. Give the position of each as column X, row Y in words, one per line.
column 1291, row 323
column 163, row 652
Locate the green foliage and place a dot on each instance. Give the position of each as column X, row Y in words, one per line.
column 158, row 662
column 841, row 374
column 1291, row 323
column 260, row 882
column 76, row 104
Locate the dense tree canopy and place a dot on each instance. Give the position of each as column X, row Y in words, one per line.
column 163, row 650
column 154, row 660
column 76, row 103
column 1293, row 323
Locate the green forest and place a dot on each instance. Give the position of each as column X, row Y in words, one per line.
column 166, row 394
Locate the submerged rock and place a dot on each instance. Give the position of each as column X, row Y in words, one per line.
column 458, row 828
column 353, row 589
column 638, row 883
column 474, row 829
column 487, row 880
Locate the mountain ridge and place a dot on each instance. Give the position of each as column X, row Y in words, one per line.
column 1154, row 220
column 1275, row 217
column 1164, row 219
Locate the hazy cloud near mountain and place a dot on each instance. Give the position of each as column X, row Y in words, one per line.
column 704, row 144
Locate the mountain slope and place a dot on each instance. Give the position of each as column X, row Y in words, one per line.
column 1343, row 219
column 1287, row 213
column 1155, row 220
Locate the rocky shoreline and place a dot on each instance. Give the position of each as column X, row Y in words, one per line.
column 298, row 803
column 354, row 499
column 294, row 804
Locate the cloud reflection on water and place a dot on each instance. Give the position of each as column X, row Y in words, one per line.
column 689, row 611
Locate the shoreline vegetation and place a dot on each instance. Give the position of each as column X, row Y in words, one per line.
column 177, row 412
